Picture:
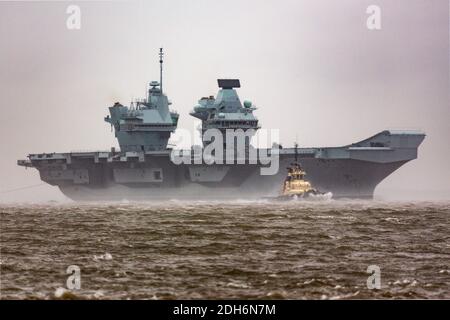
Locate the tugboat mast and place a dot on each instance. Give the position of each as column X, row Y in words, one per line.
column 161, row 54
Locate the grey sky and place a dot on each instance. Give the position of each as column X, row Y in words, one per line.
column 312, row 68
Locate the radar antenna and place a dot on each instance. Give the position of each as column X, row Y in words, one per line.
column 161, row 54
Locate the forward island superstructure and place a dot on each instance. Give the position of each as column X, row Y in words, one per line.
column 143, row 168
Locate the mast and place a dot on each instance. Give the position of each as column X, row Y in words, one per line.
column 296, row 152
column 161, row 54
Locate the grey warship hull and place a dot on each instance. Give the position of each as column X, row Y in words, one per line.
column 351, row 171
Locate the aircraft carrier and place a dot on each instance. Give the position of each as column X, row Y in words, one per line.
column 144, row 167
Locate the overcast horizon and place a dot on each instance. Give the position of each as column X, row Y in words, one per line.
column 313, row 69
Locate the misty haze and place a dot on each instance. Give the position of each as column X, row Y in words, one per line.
column 109, row 191
column 321, row 76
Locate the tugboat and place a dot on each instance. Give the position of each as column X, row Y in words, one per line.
column 295, row 186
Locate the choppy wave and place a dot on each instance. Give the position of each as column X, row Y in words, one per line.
column 241, row 249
